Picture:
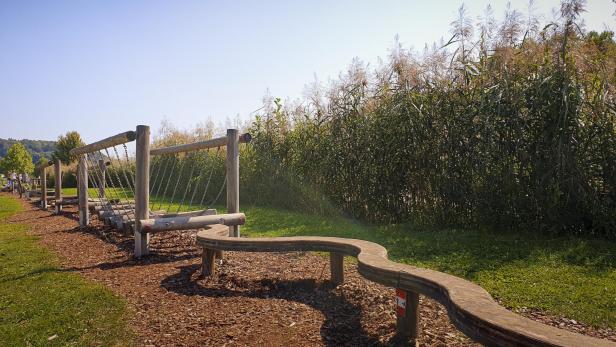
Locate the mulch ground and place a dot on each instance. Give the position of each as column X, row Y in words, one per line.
column 274, row 299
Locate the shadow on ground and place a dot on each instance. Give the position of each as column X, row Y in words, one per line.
column 342, row 318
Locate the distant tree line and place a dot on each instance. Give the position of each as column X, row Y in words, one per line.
column 37, row 148
column 19, row 158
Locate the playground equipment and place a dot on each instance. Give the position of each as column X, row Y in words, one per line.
column 43, row 169
column 122, row 189
column 121, row 192
column 470, row 308
column 57, row 200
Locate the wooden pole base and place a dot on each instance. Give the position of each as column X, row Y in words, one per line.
column 407, row 312
column 142, row 241
column 208, row 263
column 336, row 266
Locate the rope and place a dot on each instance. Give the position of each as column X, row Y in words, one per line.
column 177, row 182
column 95, row 182
column 130, row 166
column 192, row 197
column 208, row 180
column 163, row 176
column 119, row 181
column 224, row 183
column 158, row 160
column 192, row 171
column 109, row 206
column 123, row 171
column 167, row 185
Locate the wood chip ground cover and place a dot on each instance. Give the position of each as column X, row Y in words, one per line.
column 277, row 299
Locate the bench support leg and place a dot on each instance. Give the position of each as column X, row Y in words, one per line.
column 336, row 266
column 407, row 312
column 208, row 262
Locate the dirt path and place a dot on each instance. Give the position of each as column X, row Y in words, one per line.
column 256, row 299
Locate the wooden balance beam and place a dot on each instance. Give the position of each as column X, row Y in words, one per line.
column 470, row 308
column 153, row 225
column 64, row 197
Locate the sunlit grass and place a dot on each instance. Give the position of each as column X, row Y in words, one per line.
column 41, row 304
column 567, row 276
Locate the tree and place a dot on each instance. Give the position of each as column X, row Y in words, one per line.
column 18, row 160
column 71, row 140
column 39, row 163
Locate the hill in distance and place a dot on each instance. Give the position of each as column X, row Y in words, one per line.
column 38, row 148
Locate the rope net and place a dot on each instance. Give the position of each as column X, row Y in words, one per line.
column 180, row 182
column 111, row 184
column 184, row 182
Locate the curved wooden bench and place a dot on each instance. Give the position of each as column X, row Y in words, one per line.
column 470, row 308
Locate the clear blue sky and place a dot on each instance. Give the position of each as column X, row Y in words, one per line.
column 101, row 67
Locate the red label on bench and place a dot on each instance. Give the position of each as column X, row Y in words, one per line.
column 400, row 302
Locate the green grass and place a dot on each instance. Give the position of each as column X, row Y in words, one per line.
column 38, row 300
column 566, row 276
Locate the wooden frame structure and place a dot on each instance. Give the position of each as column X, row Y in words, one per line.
column 145, row 222
column 43, row 169
column 194, row 219
column 82, row 168
column 471, row 309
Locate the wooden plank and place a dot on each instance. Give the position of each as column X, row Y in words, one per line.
column 103, row 207
column 64, row 197
column 208, row 212
column 189, row 222
column 108, row 202
column 195, row 146
column 66, row 202
column 142, row 190
column 105, row 143
column 111, row 213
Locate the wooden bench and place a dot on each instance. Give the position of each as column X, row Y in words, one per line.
column 470, row 308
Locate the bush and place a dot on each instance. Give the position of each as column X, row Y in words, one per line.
column 517, row 131
column 513, row 129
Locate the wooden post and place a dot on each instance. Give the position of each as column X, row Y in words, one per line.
column 101, row 185
column 19, row 187
column 44, row 188
column 208, row 262
column 58, row 185
column 336, row 267
column 233, row 177
column 407, row 312
column 142, row 189
column 84, row 212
